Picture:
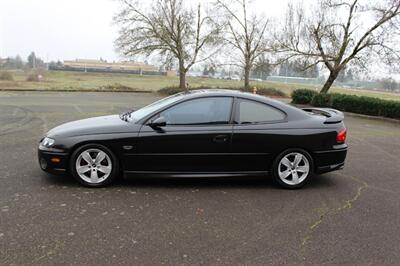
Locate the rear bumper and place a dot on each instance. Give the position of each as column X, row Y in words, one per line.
column 330, row 160
column 48, row 165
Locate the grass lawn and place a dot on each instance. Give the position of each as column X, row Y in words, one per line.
column 87, row 81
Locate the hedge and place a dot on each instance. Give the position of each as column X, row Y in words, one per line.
column 303, row 96
column 354, row 104
column 262, row 91
column 322, row 100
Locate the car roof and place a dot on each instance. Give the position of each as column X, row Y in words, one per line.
column 221, row 92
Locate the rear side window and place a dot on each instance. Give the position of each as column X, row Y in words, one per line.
column 251, row 112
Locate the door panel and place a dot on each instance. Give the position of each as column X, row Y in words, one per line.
column 196, row 138
column 183, row 149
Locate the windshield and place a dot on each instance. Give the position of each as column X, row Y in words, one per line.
column 145, row 111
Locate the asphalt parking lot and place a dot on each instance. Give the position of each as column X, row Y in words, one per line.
column 347, row 217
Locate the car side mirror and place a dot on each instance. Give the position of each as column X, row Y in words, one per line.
column 158, row 123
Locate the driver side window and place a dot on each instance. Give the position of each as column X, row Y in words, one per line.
column 203, row 111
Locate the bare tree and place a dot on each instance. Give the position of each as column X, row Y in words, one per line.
column 171, row 28
column 262, row 67
column 341, row 32
column 245, row 33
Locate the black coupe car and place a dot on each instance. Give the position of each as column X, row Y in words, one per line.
column 200, row 133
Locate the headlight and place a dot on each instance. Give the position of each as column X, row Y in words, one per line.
column 47, row 145
column 47, row 142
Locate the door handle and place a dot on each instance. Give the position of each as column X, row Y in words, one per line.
column 220, row 138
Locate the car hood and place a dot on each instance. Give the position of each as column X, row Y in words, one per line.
column 93, row 126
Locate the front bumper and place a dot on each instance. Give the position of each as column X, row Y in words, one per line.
column 330, row 160
column 53, row 162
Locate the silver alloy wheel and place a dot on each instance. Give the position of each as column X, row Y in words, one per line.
column 93, row 166
column 293, row 168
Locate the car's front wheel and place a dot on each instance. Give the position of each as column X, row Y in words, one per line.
column 94, row 165
column 293, row 168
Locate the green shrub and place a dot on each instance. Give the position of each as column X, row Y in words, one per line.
column 322, row 100
column 303, row 96
column 392, row 110
column 367, row 105
column 358, row 104
column 4, row 75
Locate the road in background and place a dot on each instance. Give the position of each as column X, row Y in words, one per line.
column 346, row 217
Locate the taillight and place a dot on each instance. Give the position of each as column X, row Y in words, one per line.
column 341, row 136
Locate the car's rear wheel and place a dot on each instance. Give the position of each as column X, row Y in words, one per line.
column 293, row 168
column 94, row 165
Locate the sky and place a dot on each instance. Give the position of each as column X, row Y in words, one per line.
column 57, row 29
column 70, row 29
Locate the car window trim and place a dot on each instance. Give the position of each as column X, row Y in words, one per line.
column 237, row 113
column 158, row 112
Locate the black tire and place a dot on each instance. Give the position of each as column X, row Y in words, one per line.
column 114, row 165
column 275, row 169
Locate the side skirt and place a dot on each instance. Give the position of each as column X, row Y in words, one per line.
column 128, row 174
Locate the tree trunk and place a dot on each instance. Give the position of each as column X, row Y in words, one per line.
column 329, row 82
column 246, row 77
column 182, row 80
column 182, row 77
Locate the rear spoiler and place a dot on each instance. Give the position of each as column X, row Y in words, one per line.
column 332, row 116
